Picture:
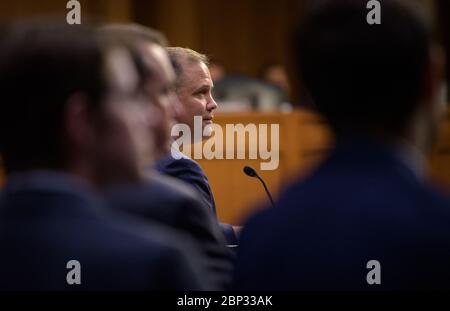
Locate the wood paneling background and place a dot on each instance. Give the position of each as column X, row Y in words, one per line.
column 243, row 34
column 246, row 34
column 99, row 11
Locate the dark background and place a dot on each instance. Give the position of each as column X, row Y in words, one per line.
column 243, row 34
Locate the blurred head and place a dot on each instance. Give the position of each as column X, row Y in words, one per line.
column 194, row 86
column 371, row 79
column 71, row 102
column 276, row 74
column 156, row 75
column 217, row 70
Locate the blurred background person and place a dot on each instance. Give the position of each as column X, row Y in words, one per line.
column 73, row 122
column 217, row 70
column 276, row 74
column 239, row 92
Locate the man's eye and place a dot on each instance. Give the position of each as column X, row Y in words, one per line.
column 203, row 92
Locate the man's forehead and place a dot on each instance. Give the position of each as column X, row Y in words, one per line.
column 196, row 73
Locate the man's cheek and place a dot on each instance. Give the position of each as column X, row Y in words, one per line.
column 200, row 107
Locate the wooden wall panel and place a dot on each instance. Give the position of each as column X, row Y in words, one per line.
column 243, row 34
column 303, row 141
column 179, row 20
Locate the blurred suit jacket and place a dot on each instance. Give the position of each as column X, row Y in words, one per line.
column 48, row 219
column 169, row 201
column 190, row 172
column 363, row 203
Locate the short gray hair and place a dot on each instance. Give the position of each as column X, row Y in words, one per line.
column 131, row 36
column 179, row 56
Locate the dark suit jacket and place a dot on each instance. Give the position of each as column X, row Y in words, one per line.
column 190, row 172
column 362, row 204
column 47, row 219
column 169, row 201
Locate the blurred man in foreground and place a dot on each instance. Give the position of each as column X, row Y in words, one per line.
column 163, row 198
column 365, row 219
column 73, row 122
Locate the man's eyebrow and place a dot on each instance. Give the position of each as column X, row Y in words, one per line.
column 202, row 87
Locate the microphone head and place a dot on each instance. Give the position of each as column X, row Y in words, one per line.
column 250, row 171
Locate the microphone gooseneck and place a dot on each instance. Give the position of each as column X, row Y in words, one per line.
column 251, row 172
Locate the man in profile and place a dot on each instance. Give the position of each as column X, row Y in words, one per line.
column 74, row 122
column 365, row 219
column 194, row 90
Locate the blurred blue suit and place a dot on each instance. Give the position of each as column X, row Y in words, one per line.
column 48, row 219
column 171, row 202
column 363, row 203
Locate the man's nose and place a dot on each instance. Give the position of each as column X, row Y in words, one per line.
column 211, row 105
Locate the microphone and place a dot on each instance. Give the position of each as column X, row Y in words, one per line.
column 250, row 171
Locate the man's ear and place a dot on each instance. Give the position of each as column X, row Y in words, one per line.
column 79, row 125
